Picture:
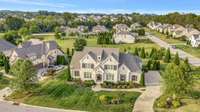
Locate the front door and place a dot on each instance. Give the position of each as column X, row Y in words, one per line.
column 98, row 77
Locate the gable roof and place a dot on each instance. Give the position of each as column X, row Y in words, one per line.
column 29, row 49
column 5, row 46
column 94, row 52
column 132, row 62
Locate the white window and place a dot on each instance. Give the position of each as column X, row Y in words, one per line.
column 122, row 77
column 134, row 78
column 87, row 75
column 110, row 76
column 87, row 65
column 110, row 67
column 76, row 73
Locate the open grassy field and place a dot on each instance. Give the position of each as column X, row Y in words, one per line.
column 189, row 49
column 4, row 82
column 165, row 38
column 57, row 93
column 92, row 42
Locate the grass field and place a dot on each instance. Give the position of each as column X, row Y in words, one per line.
column 4, row 82
column 190, row 50
column 58, row 93
column 92, row 42
column 165, row 38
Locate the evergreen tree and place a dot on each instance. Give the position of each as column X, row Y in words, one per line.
column 6, row 65
column 136, row 52
column 149, row 64
column 176, row 80
column 158, row 65
column 153, row 50
column 167, row 56
column 142, row 80
column 68, row 52
column 154, row 65
column 142, row 54
column 72, row 51
column 186, row 65
column 176, row 59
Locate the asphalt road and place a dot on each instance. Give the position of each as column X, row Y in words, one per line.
column 9, row 107
column 192, row 60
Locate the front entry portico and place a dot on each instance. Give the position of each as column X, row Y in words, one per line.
column 98, row 78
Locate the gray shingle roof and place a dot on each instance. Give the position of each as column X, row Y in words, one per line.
column 132, row 62
column 5, row 46
column 38, row 50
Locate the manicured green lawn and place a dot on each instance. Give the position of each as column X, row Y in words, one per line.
column 4, row 82
column 165, row 38
column 190, row 50
column 92, row 42
column 1, row 35
column 57, row 93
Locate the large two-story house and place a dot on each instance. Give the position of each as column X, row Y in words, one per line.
column 105, row 64
column 6, row 47
column 121, row 28
column 40, row 53
column 124, row 37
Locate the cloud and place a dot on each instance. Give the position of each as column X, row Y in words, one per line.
column 39, row 3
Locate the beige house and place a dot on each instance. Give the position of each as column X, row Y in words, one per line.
column 6, row 47
column 105, row 64
column 99, row 29
column 121, row 28
column 38, row 52
column 124, row 37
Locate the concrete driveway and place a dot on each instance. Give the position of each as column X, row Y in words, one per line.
column 192, row 60
column 152, row 78
column 145, row 102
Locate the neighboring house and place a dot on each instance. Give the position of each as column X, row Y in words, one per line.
column 195, row 40
column 121, row 28
column 38, row 52
column 136, row 26
column 191, row 31
column 6, row 47
column 82, row 29
column 124, row 37
column 105, row 64
column 153, row 25
column 99, row 29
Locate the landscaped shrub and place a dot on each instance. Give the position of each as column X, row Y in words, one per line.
column 166, row 101
column 88, row 83
column 142, row 80
column 104, row 99
column 120, row 85
column 176, row 103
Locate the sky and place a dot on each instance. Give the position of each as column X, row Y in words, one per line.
column 104, row 6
